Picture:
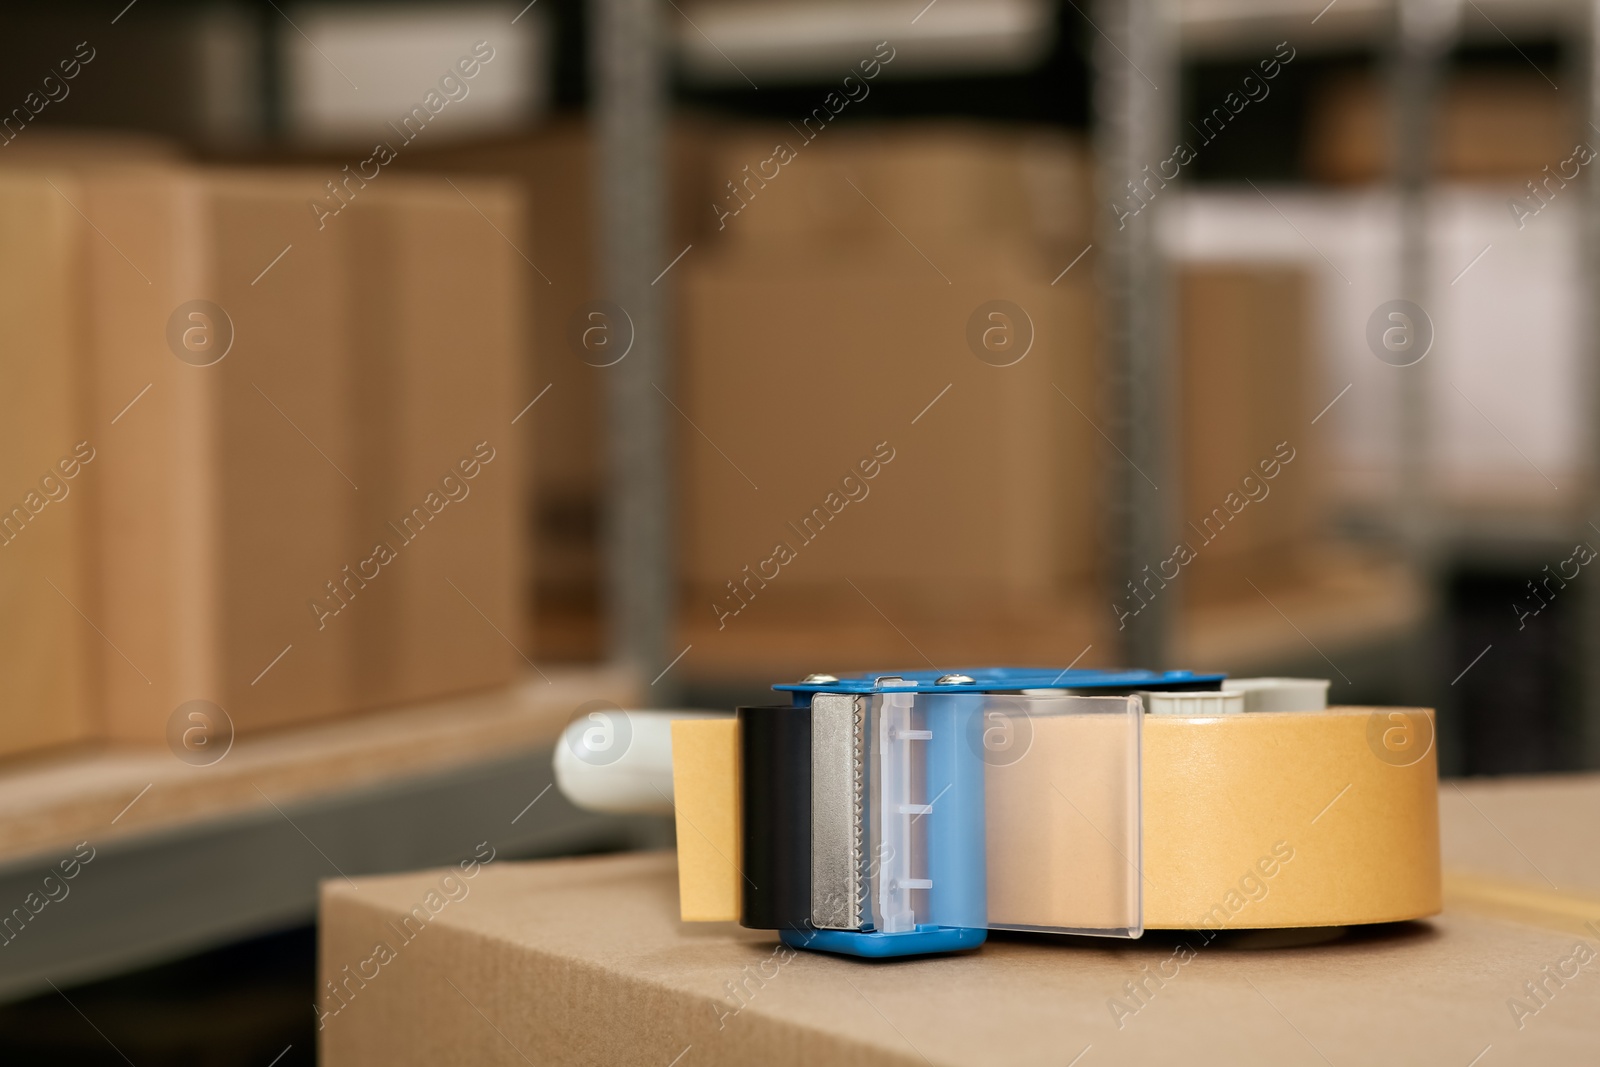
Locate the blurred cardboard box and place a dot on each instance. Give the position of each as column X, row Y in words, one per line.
column 803, row 377
column 309, row 486
column 1486, row 126
column 48, row 647
column 440, row 324
column 995, row 494
column 1251, row 493
column 68, row 148
column 882, row 388
column 948, row 180
column 826, row 317
column 567, row 461
column 961, row 181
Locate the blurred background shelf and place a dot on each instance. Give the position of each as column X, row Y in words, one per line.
column 1349, row 608
column 979, row 155
column 1223, row 27
column 186, row 858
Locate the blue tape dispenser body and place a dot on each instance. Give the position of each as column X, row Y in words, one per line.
column 867, row 820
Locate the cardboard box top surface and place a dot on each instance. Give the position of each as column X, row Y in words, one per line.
column 1522, row 829
column 87, row 148
column 582, row 961
column 779, row 183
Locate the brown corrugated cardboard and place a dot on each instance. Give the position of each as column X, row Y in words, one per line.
column 960, row 181
column 238, row 541
column 1486, row 126
column 68, row 148
column 224, row 500
column 566, row 464
column 585, row 961
column 1250, row 491
column 48, row 644
column 1517, row 829
column 935, row 181
column 567, row 455
column 438, row 338
column 837, row 426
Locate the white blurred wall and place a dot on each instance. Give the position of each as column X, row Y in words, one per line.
column 1506, row 335
column 350, row 71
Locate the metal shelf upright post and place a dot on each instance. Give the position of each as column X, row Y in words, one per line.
column 1424, row 31
column 1588, row 653
column 1136, row 96
column 630, row 93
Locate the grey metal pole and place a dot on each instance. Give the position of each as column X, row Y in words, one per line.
column 1423, row 33
column 1135, row 100
column 629, row 81
column 1422, row 36
column 1589, row 628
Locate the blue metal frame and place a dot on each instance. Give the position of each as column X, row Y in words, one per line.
column 1004, row 679
column 923, row 941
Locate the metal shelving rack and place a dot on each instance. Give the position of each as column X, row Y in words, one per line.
column 1415, row 37
column 1136, row 96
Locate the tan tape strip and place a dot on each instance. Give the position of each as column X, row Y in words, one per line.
column 1267, row 819
column 705, row 790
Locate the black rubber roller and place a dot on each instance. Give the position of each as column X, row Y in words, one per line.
column 775, row 823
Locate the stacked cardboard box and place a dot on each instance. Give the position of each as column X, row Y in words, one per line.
column 846, row 285
column 880, row 385
column 45, row 655
column 957, row 182
column 566, row 464
column 1486, row 126
column 304, row 475
column 827, row 300
column 1251, row 496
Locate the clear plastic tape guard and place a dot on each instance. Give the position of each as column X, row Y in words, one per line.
column 1002, row 811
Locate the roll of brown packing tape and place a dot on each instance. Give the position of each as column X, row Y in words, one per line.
column 1273, row 819
column 1254, row 820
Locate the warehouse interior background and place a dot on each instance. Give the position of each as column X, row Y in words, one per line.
column 726, row 341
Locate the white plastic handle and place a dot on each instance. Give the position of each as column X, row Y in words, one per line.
column 620, row 761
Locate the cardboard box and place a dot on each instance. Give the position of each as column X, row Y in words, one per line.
column 1251, row 491
column 841, row 305
column 585, row 961
column 1486, row 126
column 942, row 179
column 845, row 284
column 48, row 644
column 70, row 149
column 243, row 499
column 567, row 462
column 959, row 181
column 837, row 427
column 438, row 339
